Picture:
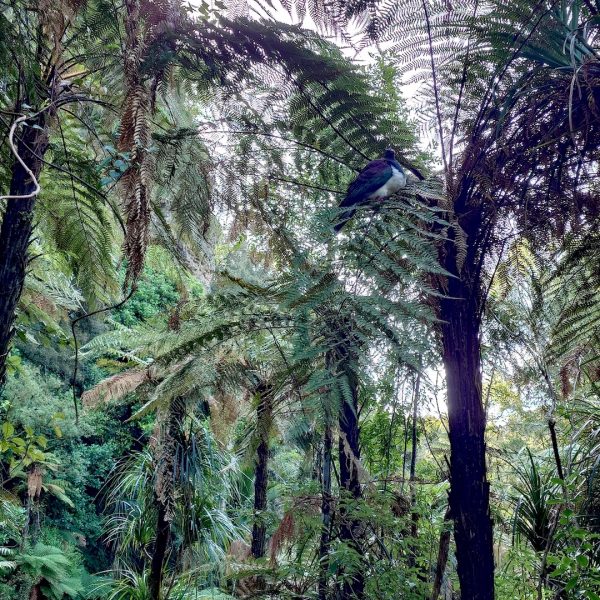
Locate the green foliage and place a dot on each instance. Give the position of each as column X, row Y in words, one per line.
column 77, row 220
column 155, row 295
column 537, row 493
column 43, row 567
column 80, row 455
column 22, row 448
column 51, row 571
column 205, row 489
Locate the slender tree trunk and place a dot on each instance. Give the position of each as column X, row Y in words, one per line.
column 36, row 592
column 388, row 443
column 552, row 423
column 326, row 502
column 17, row 225
column 404, row 451
column 161, row 545
column 442, row 559
column 317, row 463
column 469, row 493
column 414, row 517
column 555, row 448
column 264, row 414
column 351, row 528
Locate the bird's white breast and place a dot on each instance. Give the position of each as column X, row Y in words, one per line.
column 396, row 182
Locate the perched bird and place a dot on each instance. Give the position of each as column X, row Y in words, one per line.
column 379, row 179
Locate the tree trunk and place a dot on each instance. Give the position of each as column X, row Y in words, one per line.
column 164, row 489
column 414, row 516
column 460, row 307
column 555, row 449
column 442, row 559
column 342, row 363
column 326, row 501
column 469, row 493
column 36, row 591
column 16, row 229
column 161, row 544
column 351, row 529
column 264, row 414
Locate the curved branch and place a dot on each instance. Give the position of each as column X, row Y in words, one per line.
column 37, row 189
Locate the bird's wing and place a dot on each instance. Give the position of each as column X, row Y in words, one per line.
column 398, row 166
column 369, row 180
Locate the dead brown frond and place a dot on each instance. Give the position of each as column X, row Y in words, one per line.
column 116, row 387
column 133, row 139
column 135, row 181
column 284, row 533
column 34, row 482
column 225, row 409
column 174, row 322
column 146, row 20
column 287, row 528
column 168, row 420
column 55, row 17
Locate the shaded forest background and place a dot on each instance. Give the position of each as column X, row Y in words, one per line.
column 206, row 393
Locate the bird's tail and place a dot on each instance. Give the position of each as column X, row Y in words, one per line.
column 344, row 218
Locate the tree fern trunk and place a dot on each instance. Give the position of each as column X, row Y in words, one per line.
column 264, row 413
column 414, row 516
column 469, row 488
column 164, row 490
column 351, row 528
column 326, row 502
column 442, row 559
column 460, row 307
column 161, row 545
column 15, row 232
column 35, row 593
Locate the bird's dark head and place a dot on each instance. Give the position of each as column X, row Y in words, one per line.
column 389, row 154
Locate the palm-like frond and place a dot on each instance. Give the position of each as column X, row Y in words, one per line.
column 205, row 481
column 577, row 277
column 76, row 219
column 534, row 504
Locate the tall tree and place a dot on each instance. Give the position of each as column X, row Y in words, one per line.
column 264, row 419
column 158, row 38
column 38, row 88
column 343, row 361
column 500, row 84
column 326, row 509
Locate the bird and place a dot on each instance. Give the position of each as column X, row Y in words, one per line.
column 380, row 179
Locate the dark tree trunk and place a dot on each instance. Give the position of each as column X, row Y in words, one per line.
column 259, row 528
column 351, row 528
column 414, row 516
column 555, row 449
column 460, row 309
column 161, row 545
column 326, row 502
column 36, row 591
column 16, row 229
column 164, row 491
column 469, row 493
column 317, row 464
column 264, row 413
